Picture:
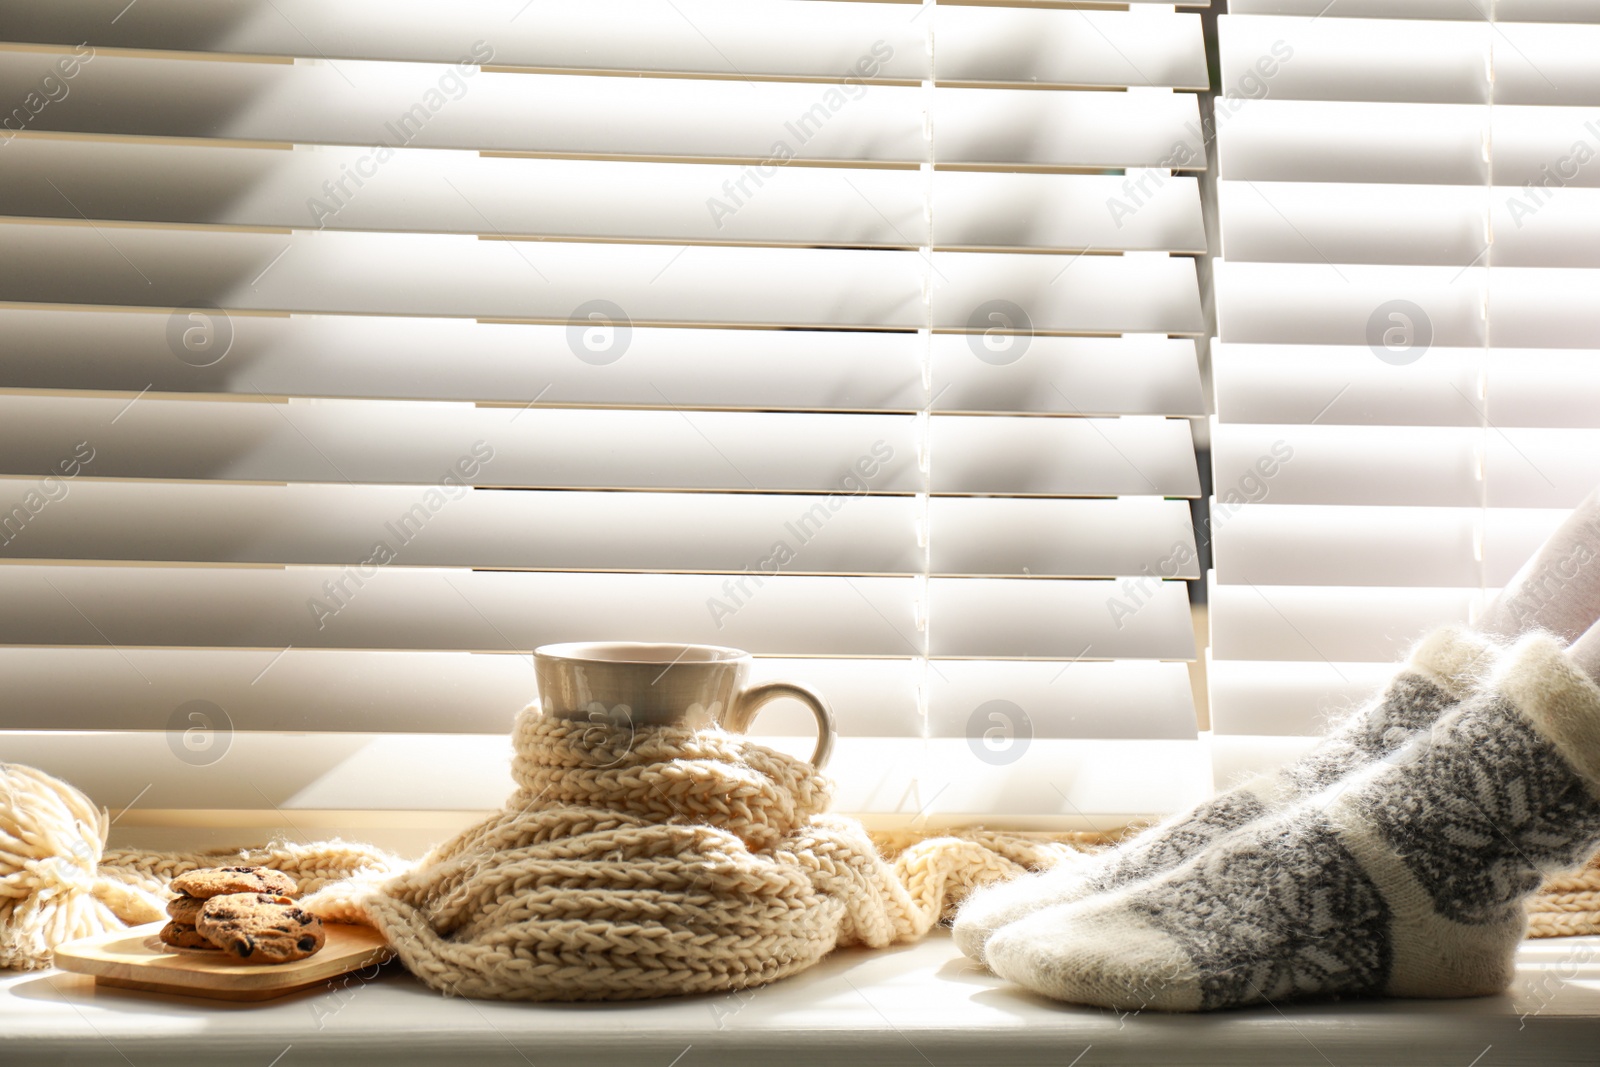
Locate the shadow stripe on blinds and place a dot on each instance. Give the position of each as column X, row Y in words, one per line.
column 1406, row 331
column 347, row 372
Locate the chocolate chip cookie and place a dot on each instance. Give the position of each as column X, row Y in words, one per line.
column 185, row 910
column 217, row 881
column 261, row 927
column 183, row 935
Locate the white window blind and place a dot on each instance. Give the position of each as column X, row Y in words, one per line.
column 351, row 350
column 1408, row 200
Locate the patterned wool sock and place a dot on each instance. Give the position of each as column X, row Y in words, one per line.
column 1439, row 673
column 1408, row 879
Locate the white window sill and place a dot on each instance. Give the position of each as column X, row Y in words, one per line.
column 921, row 1005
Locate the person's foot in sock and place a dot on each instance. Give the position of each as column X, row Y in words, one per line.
column 1558, row 590
column 1440, row 672
column 1409, row 878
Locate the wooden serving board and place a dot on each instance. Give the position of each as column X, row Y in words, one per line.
column 136, row 959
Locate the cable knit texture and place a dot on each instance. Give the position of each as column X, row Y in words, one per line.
column 1408, row 878
column 1440, row 671
column 1568, row 906
column 627, row 864
column 661, row 861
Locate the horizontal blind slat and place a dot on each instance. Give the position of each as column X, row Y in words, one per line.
column 1505, row 11
column 1061, row 784
column 1144, row 211
column 1333, row 303
column 383, row 607
column 198, row 522
column 341, row 691
column 851, row 532
column 1315, row 222
column 1037, row 700
column 986, row 618
column 420, row 190
column 376, row 273
column 1137, row 293
column 1328, row 544
column 1423, row 465
column 429, row 106
column 1295, row 58
column 1425, row 225
column 1129, row 375
column 1544, row 307
column 1398, row 60
column 1134, row 456
column 450, row 446
column 1347, row 386
column 774, row 38
column 357, row 357
column 1082, row 538
column 765, row 38
column 1288, row 699
column 1330, row 624
column 427, row 274
column 1083, row 47
column 1534, row 307
column 333, row 441
column 1441, row 144
column 1319, row 140
column 1140, row 128
column 415, row 105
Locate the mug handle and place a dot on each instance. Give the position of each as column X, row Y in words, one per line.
column 756, row 697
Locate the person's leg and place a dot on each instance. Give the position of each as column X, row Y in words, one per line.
column 1409, row 878
column 1559, row 588
column 1585, row 652
column 1440, row 672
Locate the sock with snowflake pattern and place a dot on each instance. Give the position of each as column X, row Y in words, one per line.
column 1409, row 878
column 1439, row 673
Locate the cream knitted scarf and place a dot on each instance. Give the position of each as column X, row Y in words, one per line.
column 627, row 864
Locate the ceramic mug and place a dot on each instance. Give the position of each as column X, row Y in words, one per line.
column 665, row 685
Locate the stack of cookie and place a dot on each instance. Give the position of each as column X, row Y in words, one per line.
column 247, row 912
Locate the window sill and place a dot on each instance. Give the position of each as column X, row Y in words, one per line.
column 919, row 1005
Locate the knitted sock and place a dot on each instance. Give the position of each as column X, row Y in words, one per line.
column 1439, row 673
column 1408, row 879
